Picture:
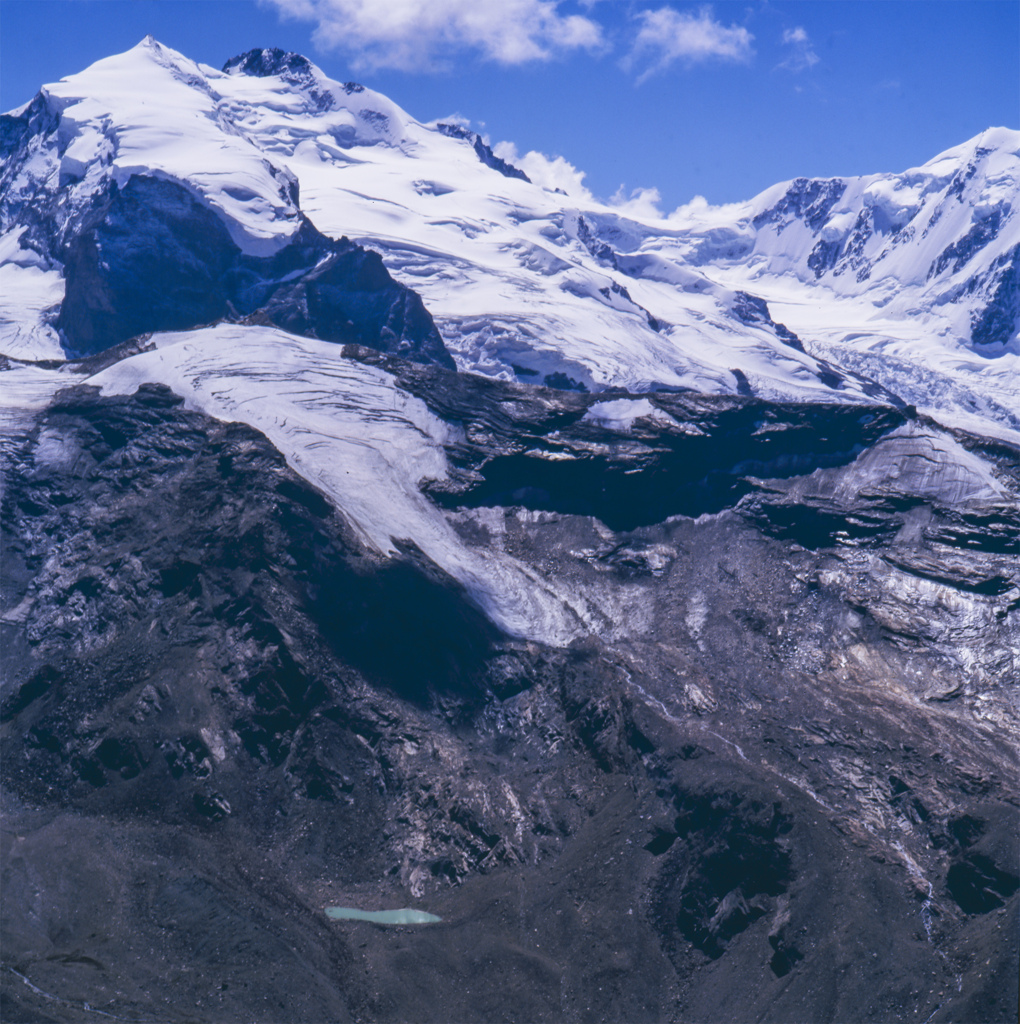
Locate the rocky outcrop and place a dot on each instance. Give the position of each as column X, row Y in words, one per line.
column 482, row 150
column 776, row 786
column 997, row 323
column 150, row 257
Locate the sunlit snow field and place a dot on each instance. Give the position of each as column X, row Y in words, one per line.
column 526, row 282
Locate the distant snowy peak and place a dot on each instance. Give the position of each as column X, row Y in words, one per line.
column 149, row 111
column 226, row 134
column 947, row 233
column 153, row 111
column 860, row 224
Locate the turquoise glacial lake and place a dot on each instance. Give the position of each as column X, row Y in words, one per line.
column 404, row 916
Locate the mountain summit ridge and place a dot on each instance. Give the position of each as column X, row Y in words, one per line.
column 528, row 284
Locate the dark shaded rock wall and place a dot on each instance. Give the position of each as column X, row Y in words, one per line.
column 151, row 257
column 998, row 322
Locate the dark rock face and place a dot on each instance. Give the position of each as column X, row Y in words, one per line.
column 682, row 475
column 824, row 256
column 770, row 790
column 750, row 309
column 599, row 249
column 15, row 131
column 956, row 255
column 268, row 63
column 740, row 862
column 150, row 231
column 807, row 199
column 150, row 257
column 484, row 152
column 997, row 324
column 852, row 259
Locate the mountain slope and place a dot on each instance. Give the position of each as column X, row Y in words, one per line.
column 505, row 268
column 681, row 688
column 770, row 775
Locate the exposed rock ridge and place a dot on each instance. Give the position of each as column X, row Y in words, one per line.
column 144, row 252
column 483, row 150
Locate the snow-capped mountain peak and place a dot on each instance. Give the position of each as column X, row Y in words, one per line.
column 879, row 287
column 289, row 100
column 151, row 111
column 852, row 232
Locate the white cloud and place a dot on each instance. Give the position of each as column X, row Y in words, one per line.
column 668, row 35
column 803, row 55
column 700, row 214
column 558, row 172
column 642, row 203
column 460, row 119
column 420, row 35
column 549, row 172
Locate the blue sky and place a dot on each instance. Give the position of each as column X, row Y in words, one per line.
column 720, row 100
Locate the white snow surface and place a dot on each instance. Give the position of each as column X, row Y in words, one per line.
column 525, row 282
column 30, row 290
column 24, row 391
column 152, row 111
column 622, row 413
